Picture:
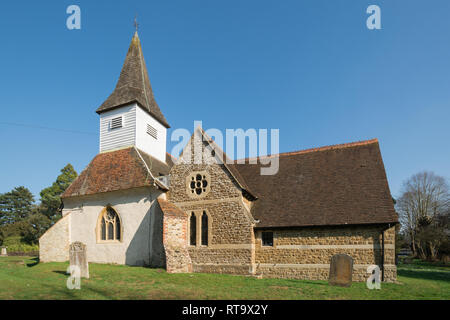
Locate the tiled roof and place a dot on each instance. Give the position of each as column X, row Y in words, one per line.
column 118, row 170
column 335, row 185
column 134, row 85
column 170, row 209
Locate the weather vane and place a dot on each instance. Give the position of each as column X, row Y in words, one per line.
column 136, row 25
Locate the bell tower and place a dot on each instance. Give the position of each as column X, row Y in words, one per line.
column 130, row 116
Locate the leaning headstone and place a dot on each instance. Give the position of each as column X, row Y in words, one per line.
column 78, row 258
column 341, row 268
column 4, row 253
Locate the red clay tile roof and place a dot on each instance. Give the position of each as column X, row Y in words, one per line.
column 171, row 209
column 134, row 85
column 334, row 185
column 117, row 170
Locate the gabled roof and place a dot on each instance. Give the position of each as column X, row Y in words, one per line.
column 118, row 170
column 336, row 185
column 134, row 85
column 227, row 163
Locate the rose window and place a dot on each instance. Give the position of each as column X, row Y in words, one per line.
column 198, row 184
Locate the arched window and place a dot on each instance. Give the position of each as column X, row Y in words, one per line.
column 193, row 229
column 204, row 229
column 109, row 227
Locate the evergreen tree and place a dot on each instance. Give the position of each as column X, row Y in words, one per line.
column 51, row 196
column 37, row 224
column 15, row 205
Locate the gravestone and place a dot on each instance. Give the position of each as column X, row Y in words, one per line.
column 78, row 257
column 4, row 253
column 341, row 269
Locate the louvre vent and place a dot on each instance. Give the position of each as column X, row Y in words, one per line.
column 116, row 123
column 152, row 131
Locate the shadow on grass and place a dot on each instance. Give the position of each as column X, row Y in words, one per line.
column 430, row 263
column 101, row 293
column 299, row 282
column 312, row 283
column 428, row 275
column 85, row 292
column 35, row 262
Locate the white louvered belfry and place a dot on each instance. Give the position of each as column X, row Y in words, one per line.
column 130, row 125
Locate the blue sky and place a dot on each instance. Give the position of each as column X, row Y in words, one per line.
column 310, row 68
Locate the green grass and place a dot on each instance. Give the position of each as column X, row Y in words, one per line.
column 24, row 278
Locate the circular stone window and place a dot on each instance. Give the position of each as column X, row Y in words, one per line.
column 198, row 184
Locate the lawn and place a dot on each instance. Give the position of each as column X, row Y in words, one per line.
column 25, row 278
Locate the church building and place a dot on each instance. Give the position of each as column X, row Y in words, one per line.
column 136, row 204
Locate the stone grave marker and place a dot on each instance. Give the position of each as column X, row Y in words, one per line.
column 341, row 269
column 78, row 257
column 4, row 253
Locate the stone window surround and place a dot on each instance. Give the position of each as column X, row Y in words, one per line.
column 267, row 233
column 98, row 228
column 198, row 237
column 192, row 216
column 188, row 182
column 260, row 242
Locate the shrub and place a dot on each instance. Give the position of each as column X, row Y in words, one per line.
column 15, row 244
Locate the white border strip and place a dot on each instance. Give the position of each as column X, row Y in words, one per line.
column 333, row 246
column 311, row 266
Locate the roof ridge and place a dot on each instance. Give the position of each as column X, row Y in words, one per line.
column 323, row 148
column 142, row 69
column 149, row 155
column 145, row 163
column 225, row 160
column 172, row 156
column 118, row 170
column 134, row 85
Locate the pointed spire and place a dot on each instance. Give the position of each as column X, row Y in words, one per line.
column 134, row 85
column 136, row 25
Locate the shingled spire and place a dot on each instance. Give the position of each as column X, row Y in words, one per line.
column 134, row 85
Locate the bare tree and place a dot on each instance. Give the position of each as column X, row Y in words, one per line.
column 425, row 198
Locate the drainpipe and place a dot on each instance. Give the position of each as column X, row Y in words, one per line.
column 382, row 250
column 150, row 233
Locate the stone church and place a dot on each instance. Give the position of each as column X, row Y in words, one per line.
column 136, row 204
